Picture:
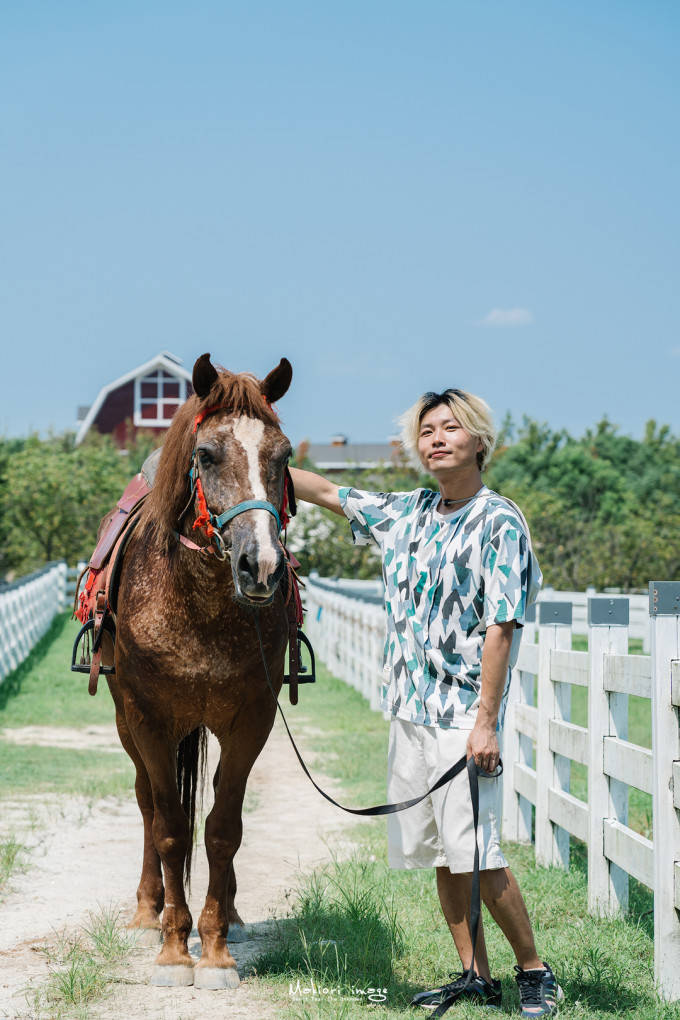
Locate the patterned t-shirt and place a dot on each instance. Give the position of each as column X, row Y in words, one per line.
column 447, row 578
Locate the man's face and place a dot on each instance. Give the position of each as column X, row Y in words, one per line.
column 443, row 444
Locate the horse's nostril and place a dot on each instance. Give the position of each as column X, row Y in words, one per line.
column 246, row 567
column 278, row 573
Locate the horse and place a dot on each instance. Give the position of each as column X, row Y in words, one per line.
column 187, row 657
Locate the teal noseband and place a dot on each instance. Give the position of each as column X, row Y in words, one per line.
column 248, row 504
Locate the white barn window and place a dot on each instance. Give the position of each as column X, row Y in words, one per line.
column 157, row 397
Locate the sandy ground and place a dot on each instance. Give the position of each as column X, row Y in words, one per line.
column 85, row 856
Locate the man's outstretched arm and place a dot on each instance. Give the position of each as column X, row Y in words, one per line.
column 313, row 488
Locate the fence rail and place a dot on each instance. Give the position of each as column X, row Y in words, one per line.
column 541, row 741
column 27, row 608
column 374, row 591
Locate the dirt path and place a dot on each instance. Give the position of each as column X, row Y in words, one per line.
column 88, row 856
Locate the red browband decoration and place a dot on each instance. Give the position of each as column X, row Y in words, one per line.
column 207, row 411
column 202, row 415
column 271, row 407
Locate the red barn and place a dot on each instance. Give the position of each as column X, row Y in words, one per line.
column 145, row 398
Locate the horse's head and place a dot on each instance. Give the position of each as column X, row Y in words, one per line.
column 229, row 437
column 241, row 456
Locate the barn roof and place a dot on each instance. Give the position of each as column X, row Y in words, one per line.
column 165, row 360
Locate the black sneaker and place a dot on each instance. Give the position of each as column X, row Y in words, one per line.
column 539, row 992
column 479, row 990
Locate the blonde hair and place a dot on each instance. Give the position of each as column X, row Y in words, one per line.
column 471, row 412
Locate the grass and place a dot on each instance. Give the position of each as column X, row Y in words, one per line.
column 355, row 925
column 11, row 854
column 82, row 968
column 31, row 769
column 360, row 938
column 345, row 928
column 44, row 692
column 50, row 694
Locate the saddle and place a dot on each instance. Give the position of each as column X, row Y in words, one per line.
column 96, row 604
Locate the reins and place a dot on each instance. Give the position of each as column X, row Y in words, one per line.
column 462, row 764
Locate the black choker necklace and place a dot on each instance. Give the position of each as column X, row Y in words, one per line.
column 450, row 502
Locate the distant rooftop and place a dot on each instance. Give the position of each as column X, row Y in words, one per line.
column 343, row 455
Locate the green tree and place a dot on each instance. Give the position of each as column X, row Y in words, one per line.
column 322, row 540
column 603, row 509
column 53, row 497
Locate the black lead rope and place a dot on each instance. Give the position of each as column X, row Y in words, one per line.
column 388, row 809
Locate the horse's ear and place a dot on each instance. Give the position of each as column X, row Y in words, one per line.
column 277, row 382
column 204, row 376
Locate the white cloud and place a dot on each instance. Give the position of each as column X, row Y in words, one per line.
column 507, row 317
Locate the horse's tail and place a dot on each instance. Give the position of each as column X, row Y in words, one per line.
column 191, row 765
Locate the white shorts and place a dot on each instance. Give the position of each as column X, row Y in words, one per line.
column 438, row 832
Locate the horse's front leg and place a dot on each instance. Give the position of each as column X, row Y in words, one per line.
column 233, row 916
column 234, row 919
column 171, row 837
column 150, row 893
column 223, row 831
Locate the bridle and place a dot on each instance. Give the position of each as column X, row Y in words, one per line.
column 212, row 523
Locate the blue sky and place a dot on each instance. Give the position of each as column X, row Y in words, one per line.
column 396, row 196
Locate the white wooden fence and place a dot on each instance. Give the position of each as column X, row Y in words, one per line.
column 541, row 741
column 373, row 591
column 27, row 607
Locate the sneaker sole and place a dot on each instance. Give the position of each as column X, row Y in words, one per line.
column 559, row 997
column 432, row 1006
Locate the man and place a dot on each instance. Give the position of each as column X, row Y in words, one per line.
column 459, row 573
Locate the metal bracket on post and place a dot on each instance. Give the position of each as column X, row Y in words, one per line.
column 664, row 598
column 604, row 612
column 555, row 612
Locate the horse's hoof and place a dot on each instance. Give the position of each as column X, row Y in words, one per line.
column 176, row 975
column 216, row 977
column 237, row 933
column 145, row 937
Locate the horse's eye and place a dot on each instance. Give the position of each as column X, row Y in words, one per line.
column 205, row 456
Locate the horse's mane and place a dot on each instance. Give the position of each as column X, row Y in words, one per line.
column 238, row 394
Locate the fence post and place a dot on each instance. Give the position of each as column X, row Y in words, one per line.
column 554, row 631
column 517, row 747
column 528, row 688
column 607, row 717
column 377, row 628
column 510, row 754
column 62, row 584
column 664, row 611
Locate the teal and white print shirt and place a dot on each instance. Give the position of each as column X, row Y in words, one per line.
column 447, row 578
